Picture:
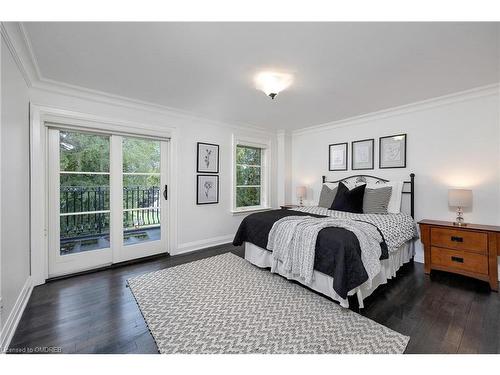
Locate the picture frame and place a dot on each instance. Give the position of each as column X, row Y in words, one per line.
column 337, row 156
column 207, row 189
column 392, row 151
column 363, row 153
column 207, row 158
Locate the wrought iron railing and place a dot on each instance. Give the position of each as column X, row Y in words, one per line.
column 141, row 209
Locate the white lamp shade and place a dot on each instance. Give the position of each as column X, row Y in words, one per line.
column 301, row 191
column 459, row 198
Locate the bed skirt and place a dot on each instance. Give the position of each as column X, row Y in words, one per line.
column 324, row 284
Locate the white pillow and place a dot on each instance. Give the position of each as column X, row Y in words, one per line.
column 394, row 206
column 350, row 184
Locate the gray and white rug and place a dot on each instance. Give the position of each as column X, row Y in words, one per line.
column 223, row 304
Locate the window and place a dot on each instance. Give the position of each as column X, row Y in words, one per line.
column 250, row 183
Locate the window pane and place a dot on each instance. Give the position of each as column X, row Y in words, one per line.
column 81, row 192
column 246, row 175
column 248, row 155
column 141, row 226
column 81, row 233
column 83, row 152
column 247, row 196
column 141, row 155
column 141, row 191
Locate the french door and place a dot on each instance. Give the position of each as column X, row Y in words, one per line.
column 107, row 199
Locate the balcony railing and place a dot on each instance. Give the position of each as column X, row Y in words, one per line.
column 141, row 210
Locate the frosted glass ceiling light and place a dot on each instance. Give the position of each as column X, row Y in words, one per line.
column 273, row 83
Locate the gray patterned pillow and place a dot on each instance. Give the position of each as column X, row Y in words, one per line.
column 327, row 196
column 376, row 201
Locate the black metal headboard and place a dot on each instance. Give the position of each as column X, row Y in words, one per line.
column 365, row 178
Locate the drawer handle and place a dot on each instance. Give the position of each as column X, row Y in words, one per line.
column 457, row 239
column 457, row 259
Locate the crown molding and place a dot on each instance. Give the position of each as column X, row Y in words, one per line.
column 14, row 39
column 32, row 57
column 477, row 92
column 19, row 44
column 79, row 92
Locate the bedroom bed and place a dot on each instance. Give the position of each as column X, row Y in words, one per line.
column 340, row 266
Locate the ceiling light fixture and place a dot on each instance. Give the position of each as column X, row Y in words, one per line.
column 273, row 83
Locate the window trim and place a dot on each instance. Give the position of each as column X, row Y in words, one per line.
column 265, row 167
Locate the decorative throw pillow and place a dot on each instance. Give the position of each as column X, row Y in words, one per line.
column 394, row 206
column 327, row 196
column 349, row 200
column 376, row 201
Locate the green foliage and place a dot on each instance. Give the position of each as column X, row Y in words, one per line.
column 141, row 155
column 83, row 152
column 248, row 155
column 246, row 175
column 248, row 172
column 247, row 196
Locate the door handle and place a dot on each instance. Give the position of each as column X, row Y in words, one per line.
column 165, row 192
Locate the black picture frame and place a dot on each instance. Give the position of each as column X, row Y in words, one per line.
column 346, row 151
column 380, row 151
column 200, row 169
column 198, row 177
column 372, row 140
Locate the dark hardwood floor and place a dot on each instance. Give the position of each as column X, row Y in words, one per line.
column 96, row 313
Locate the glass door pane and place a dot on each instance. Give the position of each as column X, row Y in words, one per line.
column 141, row 190
column 84, row 192
column 105, row 202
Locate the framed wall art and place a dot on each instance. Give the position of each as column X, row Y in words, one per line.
column 207, row 189
column 337, row 157
column 392, row 151
column 362, row 154
column 207, row 156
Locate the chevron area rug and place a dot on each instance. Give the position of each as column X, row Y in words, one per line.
column 223, row 304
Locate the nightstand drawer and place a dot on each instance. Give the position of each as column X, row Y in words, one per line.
column 460, row 240
column 460, row 260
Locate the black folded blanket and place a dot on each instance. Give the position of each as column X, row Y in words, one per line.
column 338, row 253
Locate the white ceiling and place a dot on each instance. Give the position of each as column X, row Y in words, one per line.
column 341, row 69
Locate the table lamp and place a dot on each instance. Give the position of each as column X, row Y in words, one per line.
column 301, row 194
column 459, row 198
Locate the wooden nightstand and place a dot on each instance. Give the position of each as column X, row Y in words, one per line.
column 288, row 206
column 470, row 250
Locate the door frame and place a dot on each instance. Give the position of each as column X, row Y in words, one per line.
column 41, row 117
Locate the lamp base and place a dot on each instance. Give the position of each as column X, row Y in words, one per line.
column 459, row 221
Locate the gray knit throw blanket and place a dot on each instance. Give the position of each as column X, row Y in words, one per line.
column 292, row 241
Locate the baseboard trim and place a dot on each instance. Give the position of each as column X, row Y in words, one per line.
column 15, row 315
column 201, row 244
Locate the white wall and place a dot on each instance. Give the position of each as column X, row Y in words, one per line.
column 284, row 167
column 15, row 235
column 197, row 226
column 452, row 142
